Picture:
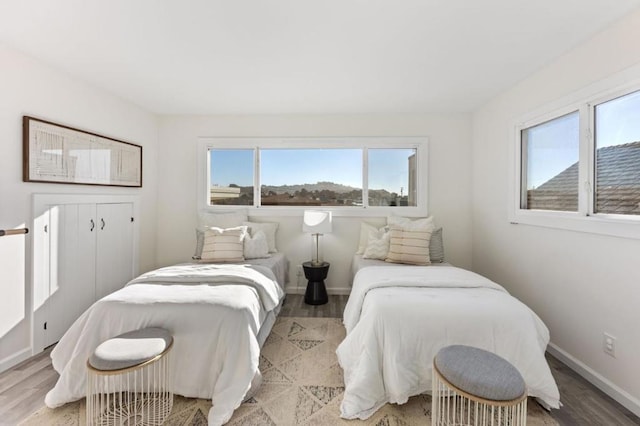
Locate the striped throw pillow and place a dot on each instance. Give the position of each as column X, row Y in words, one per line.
column 224, row 245
column 409, row 246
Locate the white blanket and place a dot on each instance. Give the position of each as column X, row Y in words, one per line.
column 398, row 317
column 214, row 313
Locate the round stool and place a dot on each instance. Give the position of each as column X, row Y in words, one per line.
column 474, row 387
column 128, row 379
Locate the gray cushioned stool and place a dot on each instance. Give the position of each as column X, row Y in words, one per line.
column 128, row 379
column 472, row 386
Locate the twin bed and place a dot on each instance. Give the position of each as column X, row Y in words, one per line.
column 397, row 318
column 218, row 314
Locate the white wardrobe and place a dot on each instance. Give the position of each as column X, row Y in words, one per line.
column 84, row 247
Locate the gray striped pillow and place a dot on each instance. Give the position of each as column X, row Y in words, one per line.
column 436, row 247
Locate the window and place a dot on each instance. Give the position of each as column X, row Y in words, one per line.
column 344, row 174
column 617, row 143
column 550, row 164
column 311, row 177
column 392, row 177
column 231, row 182
column 579, row 168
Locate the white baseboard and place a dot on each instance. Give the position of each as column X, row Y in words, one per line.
column 620, row 395
column 302, row 289
column 15, row 359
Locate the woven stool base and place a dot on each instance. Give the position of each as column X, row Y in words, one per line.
column 135, row 396
column 136, row 410
column 453, row 407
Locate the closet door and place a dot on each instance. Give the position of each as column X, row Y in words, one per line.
column 72, row 260
column 114, row 252
column 65, row 284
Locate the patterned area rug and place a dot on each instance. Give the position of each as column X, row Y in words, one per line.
column 302, row 385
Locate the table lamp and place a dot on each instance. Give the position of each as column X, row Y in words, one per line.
column 317, row 223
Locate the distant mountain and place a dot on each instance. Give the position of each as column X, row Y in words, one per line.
column 310, row 187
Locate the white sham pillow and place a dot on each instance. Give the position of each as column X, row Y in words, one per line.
column 411, row 224
column 223, row 245
column 365, row 229
column 377, row 245
column 269, row 229
column 256, row 247
column 224, row 220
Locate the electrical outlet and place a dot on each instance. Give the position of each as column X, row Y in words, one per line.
column 609, row 344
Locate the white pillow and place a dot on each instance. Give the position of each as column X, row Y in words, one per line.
column 378, row 245
column 226, row 219
column 411, row 224
column 224, row 245
column 409, row 246
column 269, row 229
column 256, row 247
column 365, row 229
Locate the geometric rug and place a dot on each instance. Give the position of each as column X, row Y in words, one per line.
column 302, row 384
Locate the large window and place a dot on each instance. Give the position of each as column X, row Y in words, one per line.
column 311, row 177
column 346, row 174
column 582, row 162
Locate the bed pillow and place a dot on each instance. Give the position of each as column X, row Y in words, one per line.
column 269, row 229
column 365, row 229
column 409, row 246
column 256, row 247
column 378, row 245
column 409, row 223
column 223, row 245
column 436, row 247
column 226, row 219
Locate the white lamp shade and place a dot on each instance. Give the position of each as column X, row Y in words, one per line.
column 316, row 222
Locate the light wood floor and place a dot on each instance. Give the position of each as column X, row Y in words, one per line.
column 22, row 389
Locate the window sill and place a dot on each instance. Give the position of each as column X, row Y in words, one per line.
column 290, row 211
column 611, row 225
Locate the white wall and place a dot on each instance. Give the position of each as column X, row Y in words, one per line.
column 449, row 182
column 28, row 87
column 580, row 284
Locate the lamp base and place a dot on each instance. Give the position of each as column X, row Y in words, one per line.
column 316, row 293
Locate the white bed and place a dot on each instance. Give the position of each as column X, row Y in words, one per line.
column 399, row 316
column 219, row 315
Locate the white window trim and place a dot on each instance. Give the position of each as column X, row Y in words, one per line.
column 364, row 143
column 584, row 220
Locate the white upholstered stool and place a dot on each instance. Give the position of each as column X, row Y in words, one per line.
column 128, row 379
column 474, row 387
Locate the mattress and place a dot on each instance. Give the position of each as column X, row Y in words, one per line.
column 278, row 264
column 358, row 262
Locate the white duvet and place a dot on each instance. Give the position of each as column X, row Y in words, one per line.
column 398, row 317
column 214, row 313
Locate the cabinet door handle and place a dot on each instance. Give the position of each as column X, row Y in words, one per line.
column 102, row 222
column 93, row 225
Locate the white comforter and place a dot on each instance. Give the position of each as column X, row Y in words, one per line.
column 214, row 313
column 398, row 317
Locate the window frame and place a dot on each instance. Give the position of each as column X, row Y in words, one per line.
column 585, row 219
column 420, row 144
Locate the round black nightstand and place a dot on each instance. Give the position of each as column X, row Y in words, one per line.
column 316, row 293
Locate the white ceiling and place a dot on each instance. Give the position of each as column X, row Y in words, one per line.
column 303, row 56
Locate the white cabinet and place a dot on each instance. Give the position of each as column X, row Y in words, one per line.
column 84, row 249
column 114, row 248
